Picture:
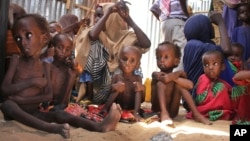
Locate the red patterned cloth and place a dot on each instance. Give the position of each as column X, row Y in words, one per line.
column 213, row 99
column 165, row 7
column 243, row 105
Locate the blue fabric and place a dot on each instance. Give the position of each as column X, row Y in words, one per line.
column 48, row 59
column 242, row 35
column 85, row 77
column 230, row 18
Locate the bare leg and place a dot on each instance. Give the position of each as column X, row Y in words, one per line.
column 164, row 92
column 12, row 110
column 196, row 114
column 109, row 123
column 109, row 102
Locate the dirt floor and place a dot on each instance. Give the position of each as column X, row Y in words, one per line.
column 184, row 130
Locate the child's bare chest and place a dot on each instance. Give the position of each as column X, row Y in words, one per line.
column 25, row 71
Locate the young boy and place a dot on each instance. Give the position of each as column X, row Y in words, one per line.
column 64, row 70
column 241, row 34
column 27, row 83
column 127, row 88
column 168, row 86
column 213, row 98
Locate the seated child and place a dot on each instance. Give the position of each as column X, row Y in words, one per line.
column 27, row 83
column 236, row 58
column 242, row 117
column 127, row 87
column 64, row 70
column 213, row 98
column 48, row 53
column 168, row 86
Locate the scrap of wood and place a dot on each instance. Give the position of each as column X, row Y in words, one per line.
column 84, row 7
column 68, row 2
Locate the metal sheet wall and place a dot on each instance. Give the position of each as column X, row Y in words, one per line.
column 54, row 9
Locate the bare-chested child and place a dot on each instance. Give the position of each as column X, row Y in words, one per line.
column 64, row 69
column 27, row 83
column 127, row 87
column 169, row 86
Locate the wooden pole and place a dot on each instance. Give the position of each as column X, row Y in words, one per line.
column 4, row 10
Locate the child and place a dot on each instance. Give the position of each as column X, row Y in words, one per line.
column 127, row 88
column 54, row 28
column 212, row 93
column 27, row 83
column 242, row 110
column 64, row 69
column 236, row 58
column 241, row 34
column 168, row 86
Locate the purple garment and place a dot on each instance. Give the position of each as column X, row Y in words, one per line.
column 242, row 35
column 230, row 18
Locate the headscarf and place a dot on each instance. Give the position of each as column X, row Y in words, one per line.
column 113, row 38
column 200, row 28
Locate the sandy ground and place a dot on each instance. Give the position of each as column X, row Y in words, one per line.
column 184, row 130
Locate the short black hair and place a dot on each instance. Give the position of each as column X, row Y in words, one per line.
column 214, row 52
column 176, row 48
column 238, row 45
column 41, row 22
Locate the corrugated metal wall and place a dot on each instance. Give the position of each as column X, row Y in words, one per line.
column 54, row 9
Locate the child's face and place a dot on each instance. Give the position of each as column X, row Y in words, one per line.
column 54, row 29
column 166, row 59
column 244, row 13
column 129, row 61
column 28, row 37
column 63, row 48
column 212, row 65
column 237, row 54
column 98, row 14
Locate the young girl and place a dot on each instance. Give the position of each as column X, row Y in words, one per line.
column 127, row 87
column 169, row 86
column 27, row 83
column 213, row 95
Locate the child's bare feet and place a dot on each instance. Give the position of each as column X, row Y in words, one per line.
column 202, row 119
column 165, row 119
column 112, row 118
column 64, row 130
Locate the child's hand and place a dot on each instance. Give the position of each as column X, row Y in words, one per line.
column 123, row 9
column 215, row 17
column 139, row 87
column 182, row 74
column 39, row 82
column 118, row 87
column 50, row 51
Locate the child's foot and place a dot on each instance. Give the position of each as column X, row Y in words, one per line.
column 200, row 118
column 64, row 130
column 165, row 119
column 112, row 118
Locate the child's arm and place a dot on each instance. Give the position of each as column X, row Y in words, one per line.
column 168, row 77
column 139, row 95
column 217, row 19
column 242, row 75
column 8, row 88
column 185, row 83
column 45, row 95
